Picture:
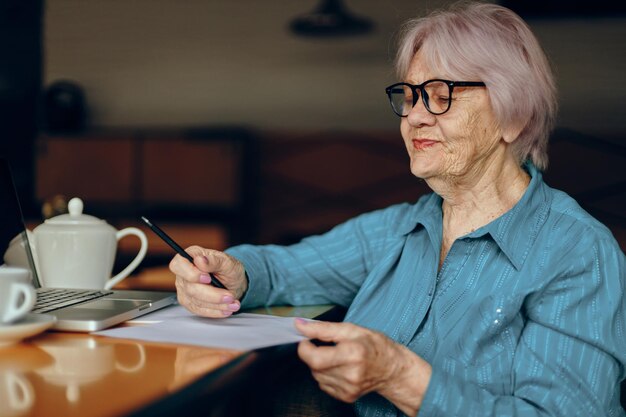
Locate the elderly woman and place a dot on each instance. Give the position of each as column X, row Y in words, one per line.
column 495, row 295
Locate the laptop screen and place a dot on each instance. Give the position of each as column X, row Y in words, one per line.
column 14, row 245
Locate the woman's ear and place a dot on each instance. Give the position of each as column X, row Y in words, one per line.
column 512, row 132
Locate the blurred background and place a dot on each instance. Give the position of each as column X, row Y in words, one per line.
column 243, row 121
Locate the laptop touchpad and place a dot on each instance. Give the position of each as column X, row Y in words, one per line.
column 109, row 304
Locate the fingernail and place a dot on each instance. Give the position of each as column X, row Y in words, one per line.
column 228, row 299
column 233, row 306
column 301, row 320
column 205, row 259
column 205, row 279
column 227, row 313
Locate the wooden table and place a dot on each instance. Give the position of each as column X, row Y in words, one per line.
column 71, row 374
column 64, row 374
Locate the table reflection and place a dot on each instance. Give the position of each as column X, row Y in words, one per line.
column 17, row 395
column 83, row 361
column 191, row 363
column 71, row 374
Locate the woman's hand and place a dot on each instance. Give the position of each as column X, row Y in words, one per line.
column 363, row 361
column 193, row 282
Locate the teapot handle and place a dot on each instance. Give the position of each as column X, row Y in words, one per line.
column 135, row 262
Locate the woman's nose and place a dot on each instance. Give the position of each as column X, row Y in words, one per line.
column 419, row 115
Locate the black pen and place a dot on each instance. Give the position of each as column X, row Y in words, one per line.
column 160, row 233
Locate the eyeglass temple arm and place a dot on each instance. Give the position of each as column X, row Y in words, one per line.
column 469, row 84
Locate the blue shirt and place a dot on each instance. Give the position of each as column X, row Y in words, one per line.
column 525, row 317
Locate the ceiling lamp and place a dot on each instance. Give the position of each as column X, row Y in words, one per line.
column 330, row 19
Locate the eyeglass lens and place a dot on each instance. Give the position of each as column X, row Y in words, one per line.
column 436, row 97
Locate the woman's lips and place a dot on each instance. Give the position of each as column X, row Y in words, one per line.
column 420, row 144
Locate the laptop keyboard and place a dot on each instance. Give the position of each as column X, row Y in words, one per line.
column 49, row 299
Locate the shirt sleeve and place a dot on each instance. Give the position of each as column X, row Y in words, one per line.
column 571, row 354
column 323, row 269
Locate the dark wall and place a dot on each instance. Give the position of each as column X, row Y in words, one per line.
column 20, row 86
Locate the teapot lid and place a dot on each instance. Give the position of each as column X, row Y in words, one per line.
column 75, row 216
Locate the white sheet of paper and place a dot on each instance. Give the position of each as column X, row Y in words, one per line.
column 243, row 331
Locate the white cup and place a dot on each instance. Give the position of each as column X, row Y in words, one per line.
column 17, row 294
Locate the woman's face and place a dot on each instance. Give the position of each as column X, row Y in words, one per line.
column 456, row 144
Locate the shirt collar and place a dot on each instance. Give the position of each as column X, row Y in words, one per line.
column 427, row 213
column 514, row 232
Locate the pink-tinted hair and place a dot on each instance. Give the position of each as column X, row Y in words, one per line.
column 486, row 42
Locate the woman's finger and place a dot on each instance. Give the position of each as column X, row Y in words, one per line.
column 326, row 331
column 320, row 358
column 182, row 268
column 207, row 310
column 203, row 298
column 206, row 293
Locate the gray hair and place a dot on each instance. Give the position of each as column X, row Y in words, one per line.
column 490, row 43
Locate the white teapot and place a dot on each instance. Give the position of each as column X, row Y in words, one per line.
column 76, row 250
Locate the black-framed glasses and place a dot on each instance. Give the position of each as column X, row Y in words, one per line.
column 436, row 95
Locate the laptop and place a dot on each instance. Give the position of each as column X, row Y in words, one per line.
column 75, row 310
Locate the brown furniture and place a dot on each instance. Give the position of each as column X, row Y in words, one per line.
column 298, row 182
column 176, row 177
